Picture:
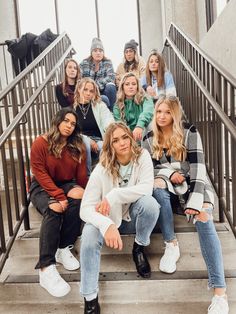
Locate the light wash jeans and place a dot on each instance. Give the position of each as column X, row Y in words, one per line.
column 108, row 95
column 144, row 214
column 208, row 238
column 87, row 140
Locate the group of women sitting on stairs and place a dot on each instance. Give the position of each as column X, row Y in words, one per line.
column 147, row 159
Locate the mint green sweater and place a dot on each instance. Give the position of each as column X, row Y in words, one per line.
column 136, row 115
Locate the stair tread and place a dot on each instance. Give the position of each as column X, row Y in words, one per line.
column 119, row 292
column 137, row 308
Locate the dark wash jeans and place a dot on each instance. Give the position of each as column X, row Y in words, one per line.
column 58, row 230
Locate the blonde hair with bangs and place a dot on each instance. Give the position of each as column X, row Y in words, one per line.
column 175, row 146
column 79, row 89
column 108, row 157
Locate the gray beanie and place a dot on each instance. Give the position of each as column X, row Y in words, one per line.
column 96, row 44
column 132, row 44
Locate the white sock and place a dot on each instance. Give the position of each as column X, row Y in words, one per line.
column 91, row 296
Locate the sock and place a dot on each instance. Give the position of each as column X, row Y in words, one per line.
column 91, row 296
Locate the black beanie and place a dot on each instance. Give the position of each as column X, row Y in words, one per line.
column 132, row 44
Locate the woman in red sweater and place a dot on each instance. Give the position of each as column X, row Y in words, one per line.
column 58, row 164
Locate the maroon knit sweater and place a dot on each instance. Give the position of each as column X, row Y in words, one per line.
column 47, row 169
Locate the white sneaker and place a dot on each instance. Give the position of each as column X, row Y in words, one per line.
column 170, row 257
column 51, row 280
column 219, row 305
column 67, row 259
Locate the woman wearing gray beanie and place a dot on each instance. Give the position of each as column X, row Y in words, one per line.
column 132, row 62
column 100, row 69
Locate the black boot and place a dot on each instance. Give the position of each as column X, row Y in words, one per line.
column 141, row 262
column 91, row 307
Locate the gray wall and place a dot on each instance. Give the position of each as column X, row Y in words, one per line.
column 220, row 41
column 157, row 15
column 7, row 31
column 151, row 26
column 7, row 20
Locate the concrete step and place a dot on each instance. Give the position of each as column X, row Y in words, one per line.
column 157, row 296
column 137, row 308
column 113, row 308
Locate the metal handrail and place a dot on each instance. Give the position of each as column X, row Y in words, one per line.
column 28, row 106
column 208, row 95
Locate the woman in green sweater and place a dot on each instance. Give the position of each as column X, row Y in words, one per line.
column 133, row 106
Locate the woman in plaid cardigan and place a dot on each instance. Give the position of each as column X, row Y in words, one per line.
column 179, row 170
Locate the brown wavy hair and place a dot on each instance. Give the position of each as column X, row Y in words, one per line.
column 80, row 88
column 175, row 144
column 74, row 142
column 108, row 157
column 138, row 98
column 160, row 73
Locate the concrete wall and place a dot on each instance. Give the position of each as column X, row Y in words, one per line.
column 220, row 41
column 157, row 15
column 184, row 14
column 151, row 26
column 7, row 20
column 7, row 31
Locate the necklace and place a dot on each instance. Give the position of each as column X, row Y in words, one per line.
column 84, row 110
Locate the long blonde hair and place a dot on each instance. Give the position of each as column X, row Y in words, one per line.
column 79, row 89
column 175, row 146
column 108, row 157
column 138, row 98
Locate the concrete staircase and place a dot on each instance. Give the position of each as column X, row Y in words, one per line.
column 121, row 289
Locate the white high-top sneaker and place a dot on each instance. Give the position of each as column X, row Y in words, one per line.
column 219, row 305
column 67, row 259
column 51, row 280
column 170, row 257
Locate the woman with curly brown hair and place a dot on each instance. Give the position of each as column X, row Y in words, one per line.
column 65, row 90
column 133, row 106
column 59, row 168
column 118, row 199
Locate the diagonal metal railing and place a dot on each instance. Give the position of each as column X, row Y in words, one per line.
column 208, row 96
column 27, row 105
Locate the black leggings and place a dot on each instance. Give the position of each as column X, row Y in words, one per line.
column 58, row 230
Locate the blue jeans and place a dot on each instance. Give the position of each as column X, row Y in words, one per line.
column 89, row 153
column 108, row 95
column 209, row 241
column 144, row 214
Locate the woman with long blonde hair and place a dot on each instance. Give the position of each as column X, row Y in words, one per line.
column 133, row 106
column 93, row 117
column 179, row 171
column 118, row 199
column 59, row 178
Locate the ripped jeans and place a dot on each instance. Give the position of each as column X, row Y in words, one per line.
column 208, row 238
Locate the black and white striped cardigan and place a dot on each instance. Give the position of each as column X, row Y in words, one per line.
column 193, row 168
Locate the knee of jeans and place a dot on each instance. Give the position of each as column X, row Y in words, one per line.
column 91, row 237
column 76, row 193
column 161, row 194
column 56, row 207
column 204, row 216
column 111, row 87
column 160, row 183
column 150, row 205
